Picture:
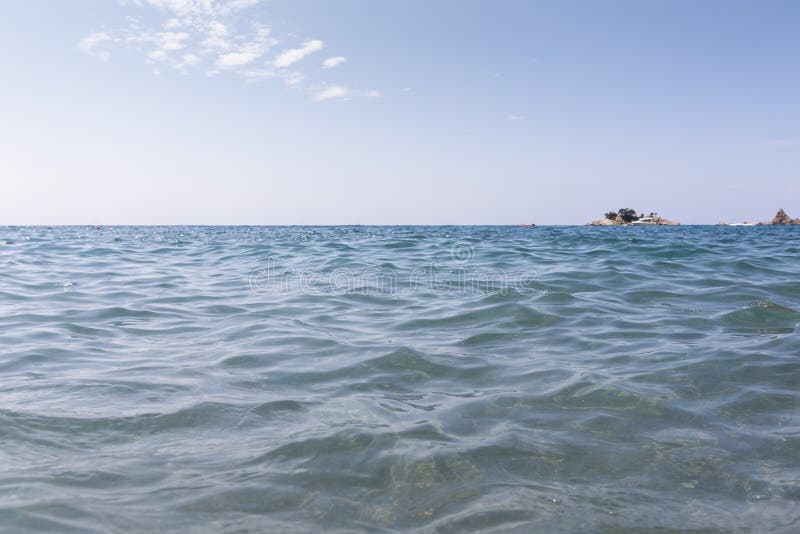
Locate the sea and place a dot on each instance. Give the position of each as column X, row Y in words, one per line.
column 396, row 379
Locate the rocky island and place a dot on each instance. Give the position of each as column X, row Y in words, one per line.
column 782, row 218
column 628, row 217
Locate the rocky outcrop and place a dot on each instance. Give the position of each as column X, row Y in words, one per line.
column 782, row 218
column 609, row 221
column 745, row 223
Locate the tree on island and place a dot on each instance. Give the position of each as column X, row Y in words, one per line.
column 627, row 215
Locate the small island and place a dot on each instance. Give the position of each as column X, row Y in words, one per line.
column 781, row 218
column 628, row 217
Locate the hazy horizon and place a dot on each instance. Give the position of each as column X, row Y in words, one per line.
column 271, row 112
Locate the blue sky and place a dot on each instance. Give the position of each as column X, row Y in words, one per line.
column 397, row 112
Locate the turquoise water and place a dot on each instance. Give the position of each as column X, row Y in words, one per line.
column 440, row 379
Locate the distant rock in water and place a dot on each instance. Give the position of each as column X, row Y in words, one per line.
column 782, row 218
column 628, row 217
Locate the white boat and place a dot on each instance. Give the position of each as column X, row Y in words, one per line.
column 644, row 221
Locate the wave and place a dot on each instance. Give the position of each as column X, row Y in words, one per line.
column 541, row 379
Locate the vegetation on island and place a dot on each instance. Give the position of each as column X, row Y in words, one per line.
column 628, row 217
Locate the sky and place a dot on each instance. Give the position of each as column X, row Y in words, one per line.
column 397, row 111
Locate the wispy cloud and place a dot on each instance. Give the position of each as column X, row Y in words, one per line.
column 237, row 59
column 332, row 62
column 293, row 55
column 210, row 36
column 90, row 43
column 194, row 8
column 191, row 33
column 338, row 92
column 247, row 52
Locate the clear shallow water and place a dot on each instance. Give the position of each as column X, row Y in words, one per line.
column 439, row 379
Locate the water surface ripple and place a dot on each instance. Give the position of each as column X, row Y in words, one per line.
column 441, row 379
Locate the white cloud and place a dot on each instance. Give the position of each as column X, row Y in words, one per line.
column 338, row 92
column 89, row 44
column 173, row 41
column 204, row 31
column 293, row 55
column 515, row 117
column 248, row 52
column 291, row 79
column 92, row 40
column 332, row 62
column 194, row 8
column 236, row 59
column 214, row 37
column 166, row 42
column 190, row 59
column 237, row 5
